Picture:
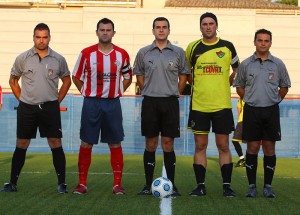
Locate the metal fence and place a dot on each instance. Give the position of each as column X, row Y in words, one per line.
column 134, row 142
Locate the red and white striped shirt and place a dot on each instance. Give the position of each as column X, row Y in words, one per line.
column 102, row 73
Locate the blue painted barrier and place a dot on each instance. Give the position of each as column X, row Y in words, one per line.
column 134, row 142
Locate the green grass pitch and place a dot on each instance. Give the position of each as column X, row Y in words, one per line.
column 37, row 188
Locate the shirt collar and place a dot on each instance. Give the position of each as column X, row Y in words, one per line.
column 270, row 57
column 33, row 51
column 169, row 46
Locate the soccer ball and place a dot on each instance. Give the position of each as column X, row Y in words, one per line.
column 162, row 187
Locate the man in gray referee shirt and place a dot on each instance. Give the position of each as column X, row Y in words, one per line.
column 161, row 70
column 262, row 81
column 40, row 68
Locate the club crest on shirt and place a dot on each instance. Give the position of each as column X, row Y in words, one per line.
column 172, row 65
column 50, row 72
column 271, row 76
column 117, row 63
column 220, row 54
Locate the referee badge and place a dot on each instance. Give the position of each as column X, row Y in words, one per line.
column 50, row 73
column 171, row 64
column 271, row 76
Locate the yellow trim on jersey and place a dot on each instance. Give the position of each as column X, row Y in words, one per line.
column 198, row 132
column 238, row 140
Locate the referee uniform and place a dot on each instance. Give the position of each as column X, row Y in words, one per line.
column 161, row 69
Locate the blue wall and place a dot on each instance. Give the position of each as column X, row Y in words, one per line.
column 134, row 142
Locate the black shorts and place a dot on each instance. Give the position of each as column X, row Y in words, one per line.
column 160, row 115
column 261, row 123
column 221, row 122
column 46, row 116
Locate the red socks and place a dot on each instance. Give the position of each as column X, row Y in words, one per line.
column 84, row 162
column 116, row 160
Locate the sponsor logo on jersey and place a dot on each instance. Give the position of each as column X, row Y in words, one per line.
column 210, row 70
column 107, row 77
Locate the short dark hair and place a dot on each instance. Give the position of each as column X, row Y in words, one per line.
column 263, row 31
column 105, row 21
column 160, row 19
column 41, row 27
column 210, row 15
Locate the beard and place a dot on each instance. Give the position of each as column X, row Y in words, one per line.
column 209, row 36
column 41, row 47
column 105, row 41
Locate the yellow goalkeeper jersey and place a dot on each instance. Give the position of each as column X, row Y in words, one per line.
column 210, row 64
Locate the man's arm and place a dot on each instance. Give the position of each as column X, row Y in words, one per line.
column 231, row 77
column 283, row 91
column 182, row 82
column 14, row 85
column 240, row 91
column 78, row 83
column 140, row 81
column 64, row 88
column 190, row 78
column 126, row 83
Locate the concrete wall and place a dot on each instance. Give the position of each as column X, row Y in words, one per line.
column 74, row 29
column 153, row 4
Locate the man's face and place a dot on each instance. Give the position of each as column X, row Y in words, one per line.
column 41, row 39
column 161, row 30
column 105, row 33
column 208, row 27
column 263, row 43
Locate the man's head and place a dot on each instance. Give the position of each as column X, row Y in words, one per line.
column 161, row 28
column 262, row 41
column 41, row 36
column 263, row 31
column 208, row 26
column 105, row 30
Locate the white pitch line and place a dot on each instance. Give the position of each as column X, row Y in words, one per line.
column 165, row 203
column 75, row 173
column 130, row 173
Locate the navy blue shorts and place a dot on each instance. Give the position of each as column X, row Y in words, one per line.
column 160, row 116
column 103, row 115
column 261, row 123
column 221, row 122
column 45, row 116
